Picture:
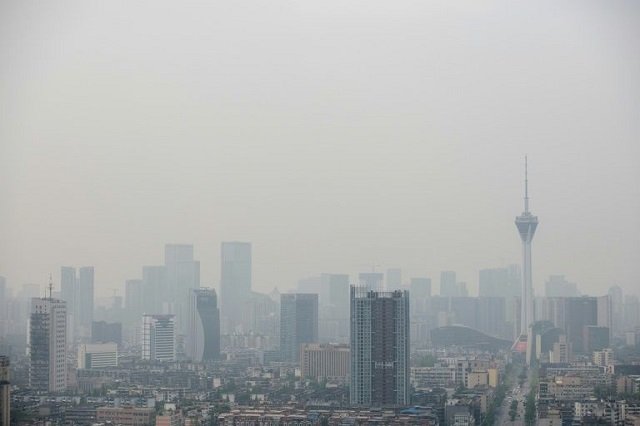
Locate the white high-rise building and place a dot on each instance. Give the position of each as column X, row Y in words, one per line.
column 48, row 345
column 159, row 337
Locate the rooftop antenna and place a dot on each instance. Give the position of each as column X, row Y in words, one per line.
column 526, row 186
column 50, row 286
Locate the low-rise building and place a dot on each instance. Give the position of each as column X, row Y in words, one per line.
column 126, row 416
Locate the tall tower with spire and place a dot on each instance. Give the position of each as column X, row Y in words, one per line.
column 526, row 224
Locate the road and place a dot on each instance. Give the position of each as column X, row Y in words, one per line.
column 518, row 393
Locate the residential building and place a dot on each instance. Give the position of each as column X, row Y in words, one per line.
column 379, row 347
column 5, row 392
column 48, row 345
column 126, row 416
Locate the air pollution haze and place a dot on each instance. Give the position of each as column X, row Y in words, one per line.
column 334, row 136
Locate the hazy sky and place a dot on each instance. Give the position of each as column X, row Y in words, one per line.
column 333, row 135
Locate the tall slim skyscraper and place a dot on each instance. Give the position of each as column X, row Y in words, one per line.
column 182, row 275
column 235, row 282
column 77, row 290
column 48, row 345
column 203, row 334
column 379, row 348
column 298, row 323
column 394, row 279
column 526, row 224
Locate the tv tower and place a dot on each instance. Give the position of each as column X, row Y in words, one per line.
column 526, row 224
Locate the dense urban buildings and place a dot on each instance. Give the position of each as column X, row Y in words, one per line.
column 379, row 347
column 48, row 345
column 203, row 333
column 298, row 323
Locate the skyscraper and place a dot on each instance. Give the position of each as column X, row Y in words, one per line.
column 371, row 280
column 77, row 290
column 203, row 333
column 379, row 347
column 235, row 282
column 298, row 323
column 448, row 284
column 558, row 286
column 394, row 279
column 159, row 337
column 182, row 275
column 526, row 224
column 48, row 345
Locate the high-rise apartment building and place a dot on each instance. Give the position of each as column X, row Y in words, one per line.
column 159, row 337
column 493, row 282
column 48, row 345
column 5, row 392
column 616, row 295
column 235, row 283
column 298, row 323
column 379, row 348
column 203, row 332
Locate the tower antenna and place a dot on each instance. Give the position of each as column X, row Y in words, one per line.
column 50, row 286
column 526, row 186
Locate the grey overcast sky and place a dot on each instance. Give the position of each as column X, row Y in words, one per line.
column 333, row 135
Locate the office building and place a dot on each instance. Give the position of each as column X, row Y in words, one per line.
column 448, row 284
column 420, row 289
column 159, row 337
column 182, row 275
column 77, row 290
column 580, row 312
column 5, row 392
column 235, row 283
column 298, row 323
column 154, row 289
column 371, row 280
column 558, row 286
column 325, row 361
column 616, row 296
column 527, row 225
column 203, row 333
column 595, row 338
column 394, row 279
column 97, row 355
column 48, row 345
column 133, row 299
column 379, row 348
column 104, row 332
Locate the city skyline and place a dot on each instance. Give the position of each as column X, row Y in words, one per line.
column 287, row 129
